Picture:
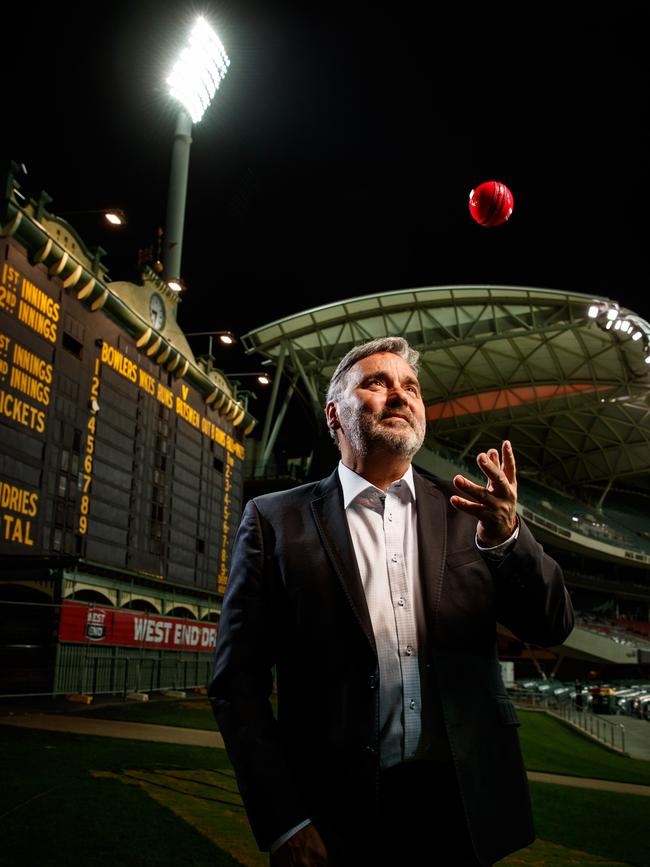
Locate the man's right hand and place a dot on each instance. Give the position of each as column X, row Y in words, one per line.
column 304, row 849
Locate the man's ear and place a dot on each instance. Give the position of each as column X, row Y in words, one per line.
column 331, row 415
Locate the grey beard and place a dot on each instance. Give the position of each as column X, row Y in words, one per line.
column 364, row 430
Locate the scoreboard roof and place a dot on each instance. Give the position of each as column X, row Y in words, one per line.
column 53, row 243
column 563, row 375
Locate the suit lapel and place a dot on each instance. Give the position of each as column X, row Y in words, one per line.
column 432, row 543
column 332, row 524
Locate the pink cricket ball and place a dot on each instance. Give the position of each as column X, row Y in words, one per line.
column 491, row 203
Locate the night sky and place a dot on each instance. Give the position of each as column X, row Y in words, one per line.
column 338, row 155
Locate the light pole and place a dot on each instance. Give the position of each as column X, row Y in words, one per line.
column 242, row 395
column 194, row 80
column 114, row 216
column 261, row 376
column 227, row 338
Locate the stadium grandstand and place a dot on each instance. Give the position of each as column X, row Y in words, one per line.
column 563, row 375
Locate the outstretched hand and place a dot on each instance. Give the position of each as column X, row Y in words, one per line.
column 495, row 505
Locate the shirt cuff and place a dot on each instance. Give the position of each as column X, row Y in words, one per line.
column 275, row 845
column 500, row 550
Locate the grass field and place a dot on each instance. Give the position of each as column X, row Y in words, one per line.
column 193, row 713
column 101, row 802
column 547, row 744
column 66, row 802
column 609, row 825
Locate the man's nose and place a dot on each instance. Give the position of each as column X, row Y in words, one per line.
column 397, row 396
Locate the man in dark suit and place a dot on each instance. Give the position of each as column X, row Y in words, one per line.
column 375, row 595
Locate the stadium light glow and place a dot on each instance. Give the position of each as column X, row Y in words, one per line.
column 199, row 70
column 225, row 337
column 261, row 377
column 609, row 317
column 115, row 217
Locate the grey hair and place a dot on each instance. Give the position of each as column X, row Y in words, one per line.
column 396, row 345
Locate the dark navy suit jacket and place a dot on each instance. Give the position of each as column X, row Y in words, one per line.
column 295, row 603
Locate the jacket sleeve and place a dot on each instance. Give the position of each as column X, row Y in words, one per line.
column 532, row 600
column 241, row 684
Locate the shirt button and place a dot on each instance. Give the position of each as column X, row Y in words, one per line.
column 409, row 650
column 412, row 704
column 400, row 601
column 390, row 516
column 394, row 558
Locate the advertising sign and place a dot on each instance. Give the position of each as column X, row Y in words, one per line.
column 100, row 624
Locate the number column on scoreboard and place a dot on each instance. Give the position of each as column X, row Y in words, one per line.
column 89, row 451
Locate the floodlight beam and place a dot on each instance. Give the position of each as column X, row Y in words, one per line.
column 199, row 70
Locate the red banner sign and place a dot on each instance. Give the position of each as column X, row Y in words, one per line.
column 100, row 624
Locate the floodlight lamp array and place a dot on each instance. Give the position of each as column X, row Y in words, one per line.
column 199, row 70
column 607, row 316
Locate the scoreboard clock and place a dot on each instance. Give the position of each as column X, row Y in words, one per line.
column 157, row 315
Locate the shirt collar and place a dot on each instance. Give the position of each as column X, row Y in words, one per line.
column 353, row 484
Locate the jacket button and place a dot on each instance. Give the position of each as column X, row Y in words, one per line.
column 372, row 681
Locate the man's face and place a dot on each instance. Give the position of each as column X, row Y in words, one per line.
column 382, row 407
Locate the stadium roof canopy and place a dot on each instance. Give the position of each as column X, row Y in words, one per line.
column 561, row 374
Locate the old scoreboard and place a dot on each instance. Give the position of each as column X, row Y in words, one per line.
column 121, row 468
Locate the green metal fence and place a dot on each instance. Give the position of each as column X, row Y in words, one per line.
column 92, row 670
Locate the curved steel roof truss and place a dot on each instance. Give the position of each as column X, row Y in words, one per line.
column 528, row 364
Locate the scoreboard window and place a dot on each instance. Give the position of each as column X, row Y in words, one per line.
column 74, row 347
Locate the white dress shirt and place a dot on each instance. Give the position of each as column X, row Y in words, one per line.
column 383, row 526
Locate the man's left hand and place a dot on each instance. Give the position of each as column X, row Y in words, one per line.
column 496, row 504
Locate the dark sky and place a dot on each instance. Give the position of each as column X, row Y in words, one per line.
column 338, row 155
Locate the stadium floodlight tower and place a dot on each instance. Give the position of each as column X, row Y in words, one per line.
column 194, row 80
